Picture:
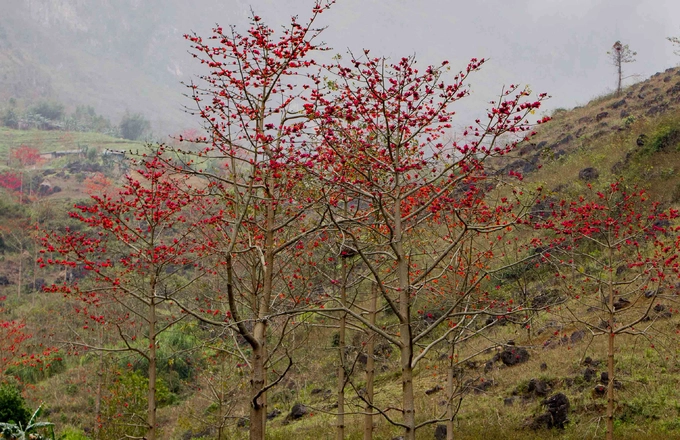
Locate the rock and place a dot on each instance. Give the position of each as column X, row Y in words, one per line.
column 577, row 336
column 618, row 104
column 565, row 140
column 242, row 422
column 589, row 374
column 440, row 432
column 601, row 116
column 4, row 281
column 543, row 366
column 509, row 401
column 599, row 391
column 621, row 304
column 297, row 412
column 273, row 414
column 641, row 140
column 604, row 377
column 433, row 390
column 659, row 308
column 514, row 355
column 488, row 366
column 541, row 422
column 588, row 174
column 673, row 90
column 558, row 408
column 538, row 387
column 657, row 110
column 482, row 385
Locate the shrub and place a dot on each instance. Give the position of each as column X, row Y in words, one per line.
column 13, row 407
column 133, row 126
column 53, row 111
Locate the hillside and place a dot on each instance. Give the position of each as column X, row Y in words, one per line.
column 634, row 137
column 111, row 55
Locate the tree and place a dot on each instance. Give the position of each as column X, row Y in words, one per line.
column 620, row 55
column 134, row 126
column 420, row 219
column 140, row 248
column 13, row 407
column 30, row 431
column 51, row 110
column 261, row 203
column 615, row 253
column 676, row 42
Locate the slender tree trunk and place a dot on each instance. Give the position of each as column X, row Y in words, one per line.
column 405, row 330
column 620, row 71
column 610, row 354
column 21, row 268
column 151, row 409
column 100, row 380
column 258, row 403
column 370, row 366
column 450, row 387
column 340, row 427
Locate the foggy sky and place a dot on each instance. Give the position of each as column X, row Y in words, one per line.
column 555, row 46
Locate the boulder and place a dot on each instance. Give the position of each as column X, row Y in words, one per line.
column 514, row 355
column 440, row 432
column 588, row 174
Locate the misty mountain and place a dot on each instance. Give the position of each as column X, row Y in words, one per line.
column 114, row 55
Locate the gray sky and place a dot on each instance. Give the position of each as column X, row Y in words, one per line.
column 554, row 46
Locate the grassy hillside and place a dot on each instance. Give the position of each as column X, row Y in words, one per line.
column 634, row 137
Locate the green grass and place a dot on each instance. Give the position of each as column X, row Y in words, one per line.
column 47, row 141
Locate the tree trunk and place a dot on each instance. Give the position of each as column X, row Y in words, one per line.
column 258, row 402
column 406, row 344
column 450, row 388
column 151, row 405
column 340, row 426
column 370, row 366
column 610, row 353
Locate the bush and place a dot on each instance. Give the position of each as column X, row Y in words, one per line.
column 53, row 111
column 13, row 408
column 134, row 126
column 10, row 118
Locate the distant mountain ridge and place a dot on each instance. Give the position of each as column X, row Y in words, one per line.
column 115, row 55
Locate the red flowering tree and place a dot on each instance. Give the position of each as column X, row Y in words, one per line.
column 26, row 156
column 11, row 181
column 261, row 202
column 140, row 250
column 419, row 215
column 616, row 254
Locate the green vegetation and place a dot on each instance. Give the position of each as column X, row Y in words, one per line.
column 96, row 384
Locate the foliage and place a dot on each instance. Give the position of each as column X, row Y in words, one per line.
column 11, row 180
column 123, row 410
column 33, row 429
column 10, row 118
column 616, row 253
column 13, row 408
column 26, row 155
column 134, row 126
column 51, row 110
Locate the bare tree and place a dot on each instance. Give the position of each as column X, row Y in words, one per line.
column 620, row 55
column 676, row 42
